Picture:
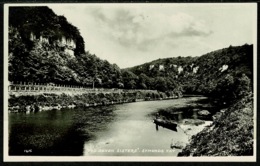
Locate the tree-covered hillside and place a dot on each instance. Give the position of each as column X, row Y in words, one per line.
column 46, row 48
column 215, row 73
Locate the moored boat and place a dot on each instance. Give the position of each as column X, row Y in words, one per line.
column 166, row 124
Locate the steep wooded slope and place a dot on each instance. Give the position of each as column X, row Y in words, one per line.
column 202, row 74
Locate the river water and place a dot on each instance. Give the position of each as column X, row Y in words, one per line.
column 116, row 130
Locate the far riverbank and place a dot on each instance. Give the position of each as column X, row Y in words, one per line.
column 35, row 102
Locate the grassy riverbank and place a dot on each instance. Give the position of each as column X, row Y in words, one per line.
column 49, row 101
column 230, row 134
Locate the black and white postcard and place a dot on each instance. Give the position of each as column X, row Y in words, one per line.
column 130, row 82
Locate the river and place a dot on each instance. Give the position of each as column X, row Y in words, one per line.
column 116, row 130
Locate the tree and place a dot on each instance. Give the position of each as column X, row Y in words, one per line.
column 160, row 84
column 129, row 79
column 18, row 56
column 143, row 81
column 243, row 86
column 131, row 84
column 225, row 90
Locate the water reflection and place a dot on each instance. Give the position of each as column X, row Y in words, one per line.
column 157, row 127
column 55, row 133
column 134, row 129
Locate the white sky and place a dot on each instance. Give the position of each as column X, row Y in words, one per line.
column 132, row 34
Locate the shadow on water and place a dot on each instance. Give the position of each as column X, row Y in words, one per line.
column 191, row 110
column 45, row 142
column 56, row 133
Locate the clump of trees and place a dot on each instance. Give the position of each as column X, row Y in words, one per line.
column 232, row 88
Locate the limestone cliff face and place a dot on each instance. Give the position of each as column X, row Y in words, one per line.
column 43, row 25
column 68, row 45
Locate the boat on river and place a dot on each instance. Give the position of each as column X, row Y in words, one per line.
column 166, row 124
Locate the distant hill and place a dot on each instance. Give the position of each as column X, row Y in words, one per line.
column 199, row 75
